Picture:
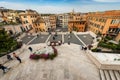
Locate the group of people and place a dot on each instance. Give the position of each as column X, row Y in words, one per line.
column 86, row 47
column 4, row 68
column 14, row 55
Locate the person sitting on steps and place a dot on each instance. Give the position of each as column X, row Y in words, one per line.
column 9, row 57
column 17, row 57
column 4, row 68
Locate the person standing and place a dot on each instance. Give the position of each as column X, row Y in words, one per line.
column 68, row 41
column 85, row 48
column 69, row 37
column 17, row 57
column 37, row 35
column 82, row 47
column 53, row 37
column 55, row 34
column 30, row 49
column 4, row 68
column 89, row 47
column 9, row 57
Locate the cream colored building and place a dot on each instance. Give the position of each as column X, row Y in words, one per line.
column 9, row 16
column 12, row 15
column 53, row 22
column 4, row 14
column 13, row 29
column 63, row 20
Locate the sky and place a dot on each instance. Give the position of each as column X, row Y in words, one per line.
column 61, row 6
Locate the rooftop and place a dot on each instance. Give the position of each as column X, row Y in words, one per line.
column 39, row 20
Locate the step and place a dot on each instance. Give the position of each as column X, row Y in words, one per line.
column 112, row 75
column 102, row 75
column 107, row 75
column 117, row 75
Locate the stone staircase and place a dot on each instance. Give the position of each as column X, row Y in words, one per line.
column 109, row 74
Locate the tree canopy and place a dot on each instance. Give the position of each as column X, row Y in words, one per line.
column 7, row 43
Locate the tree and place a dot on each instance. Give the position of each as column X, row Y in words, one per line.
column 118, row 46
column 7, row 43
column 75, row 28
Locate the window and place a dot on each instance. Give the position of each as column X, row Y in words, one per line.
column 97, row 19
column 113, row 21
column 39, row 29
column 32, row 21
column 36, row 29
column 98, row 26
column 25, row 16
column 96, row 31
column 104, row 20
column 102, row 27
column 26, row 21
column 117, row 21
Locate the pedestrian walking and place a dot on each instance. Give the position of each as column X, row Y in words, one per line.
column 53, row 37
column 4, row 68
column 89, row 47
column 40, row 33
column 9, row 57
column 82, row 47
column 69, row 37
column 30, row 48
column 49, row 33
column 17, row 57
column 85, row 48
column 68, row 42
column 37, row 35
column 56, row 34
